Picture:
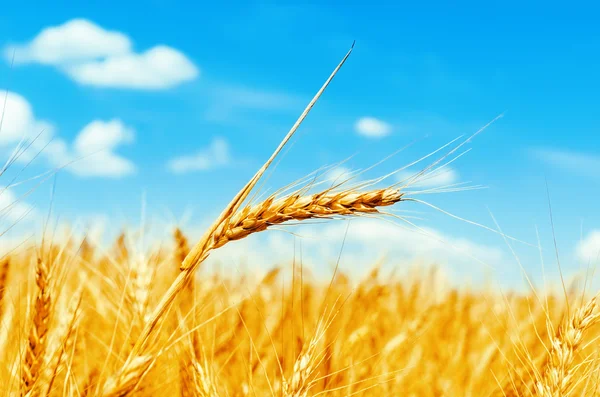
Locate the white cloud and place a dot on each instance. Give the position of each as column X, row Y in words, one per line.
column 92, row 153
column 13, row 208
column 438, row 178
column 93, row 149
column 588, row 250
column 581, row 163
column 160, row 67
column 97, row 142
column 91, row 55
column 19, row 120
column 372, row 127
column 75, row 40
column 214, row 156
column 99, row 135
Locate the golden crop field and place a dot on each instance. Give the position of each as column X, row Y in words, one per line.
column 72, row 319
column 81, row 321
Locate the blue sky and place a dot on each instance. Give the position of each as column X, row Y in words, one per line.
column 188, row 101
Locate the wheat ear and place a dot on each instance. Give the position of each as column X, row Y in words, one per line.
column 558, row 372
column 304, row 368
column 275, row 211
column 36, row 346
column 327, row 204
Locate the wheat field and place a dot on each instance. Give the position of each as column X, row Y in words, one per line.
column 79, row 320
column 71, row 317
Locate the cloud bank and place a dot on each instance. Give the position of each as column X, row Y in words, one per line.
column 93, row 151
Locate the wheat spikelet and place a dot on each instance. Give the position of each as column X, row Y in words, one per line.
column 36, row 347
column 558, row 373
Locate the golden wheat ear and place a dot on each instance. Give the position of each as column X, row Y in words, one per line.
column 558, row 376
column 32, row 364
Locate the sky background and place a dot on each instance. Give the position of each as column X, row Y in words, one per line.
column 178, row 105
